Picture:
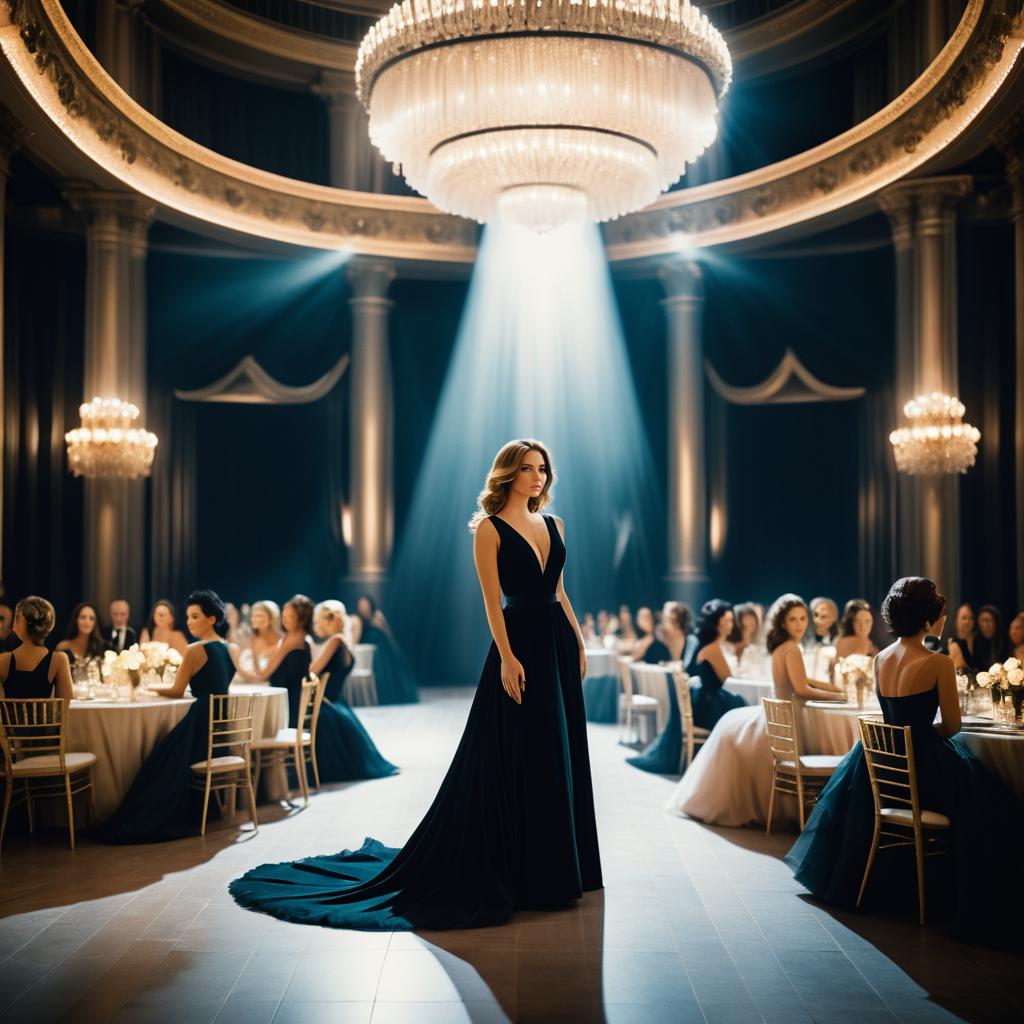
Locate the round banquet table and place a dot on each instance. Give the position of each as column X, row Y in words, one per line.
column 751, row 690
column 601, row 686
column 123, row 735
column 1002, row 752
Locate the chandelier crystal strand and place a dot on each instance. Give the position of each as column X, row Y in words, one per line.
column 937, row 441
column 591, row 108
column 107, row 445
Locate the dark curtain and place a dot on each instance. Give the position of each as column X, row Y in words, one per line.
column 270, row 128
column 44, row 316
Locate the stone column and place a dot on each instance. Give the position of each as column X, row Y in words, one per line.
column 118, row 43
column 1011, row 142
column 12, row 134
column 922, row 213
column 371, row 417
column 115, row 367
column 347, row 130
column 683, row 282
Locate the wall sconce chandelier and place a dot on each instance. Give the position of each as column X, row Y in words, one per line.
column 937, row 440
column 547, row 112
column 107, row 445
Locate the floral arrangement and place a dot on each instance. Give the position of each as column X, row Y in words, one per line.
column 856, row 672
column 131, row 664
column 1006, row 682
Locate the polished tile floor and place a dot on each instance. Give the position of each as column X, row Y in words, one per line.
column 695, row 924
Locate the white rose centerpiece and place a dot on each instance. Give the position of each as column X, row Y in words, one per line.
column 1006, row 681
column 856, row 672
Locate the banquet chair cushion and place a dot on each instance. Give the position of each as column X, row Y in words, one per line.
column 814, row 764
column 49, row 764
column 284, row 738
column 905, row 816
column 641, row 702
column 225, row 763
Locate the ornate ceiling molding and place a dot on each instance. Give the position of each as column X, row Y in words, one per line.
column 899, row 140
column 249, row 384
column 121, row 139
column 788, row 384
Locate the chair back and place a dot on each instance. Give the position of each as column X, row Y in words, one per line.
column 626, row 678
column 363, row 654
column 683, row 698
column 311, row 698
column 31, row 728
column 230, row 723
column 783, row 736
column 889, row 755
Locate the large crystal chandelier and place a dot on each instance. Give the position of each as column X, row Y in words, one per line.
column 938, row 440
column 106, row 444
column 543, row 111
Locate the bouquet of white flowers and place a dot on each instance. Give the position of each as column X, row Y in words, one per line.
column 856, row 672
column 1006, row 681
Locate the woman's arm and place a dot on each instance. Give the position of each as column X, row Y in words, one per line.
column 812, row 689
column 192, row 661
column 284, row 648
column 485, row 555
column 61, row 677
column 357, row 629
column 716, row 659
column 326, row 653
column 949, row 699
column 563, row 599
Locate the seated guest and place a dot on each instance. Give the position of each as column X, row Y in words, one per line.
column 8, row 639
column 120, row 636
column 237, row 632
column 31, row 671
column 710, row 700
column 646, row 626
column 676, row 631
column 627, row 634
column 589, row 630
column 344, row 750
column 83, row 640
column 161, row 804
column 824, row 622
column 855, row 630
column 265, row 622
column 392, row 673
column 1016, row 635
column 730, row 782
column 963, row 647
column 745, row 651
column 161, row 627
column 913, row 683
column 992, row 642
column 330, row 624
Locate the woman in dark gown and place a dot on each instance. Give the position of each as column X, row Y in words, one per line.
column 830, row 855
column 344, row 750
column 29, row 671
column 392, row 673
column 710, row 699
column 160, row 803
column 512, row 826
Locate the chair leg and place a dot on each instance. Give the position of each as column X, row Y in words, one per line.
column 8, row 790
column 871, row 860
column 206, row 804
column 771, row 807
column 252, row 800
column 316, row 766
column 919, row 857
column 71, row 810
column 300, row 771
column 257, row 768
column 92, row 801
column 30, row 807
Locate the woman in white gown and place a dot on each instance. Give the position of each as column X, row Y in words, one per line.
column 729, row 781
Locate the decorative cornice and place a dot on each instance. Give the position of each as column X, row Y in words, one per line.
column 897, row 141
column 789, row 383
column 122, row 139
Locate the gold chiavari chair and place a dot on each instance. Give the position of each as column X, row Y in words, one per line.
column 800, row 775
column 899, row 818
column 633, row 704
column 33, row 735
column 230, row 731
column 295, row 747
column 693, row 735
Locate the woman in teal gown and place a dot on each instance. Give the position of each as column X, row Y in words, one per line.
column 392, row 674
column 512, row 826
column 161, row 804
column 710, row 699
column 830, row 855
column 344, row 750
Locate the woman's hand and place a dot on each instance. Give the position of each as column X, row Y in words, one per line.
column 583, row 663
column 513, row 679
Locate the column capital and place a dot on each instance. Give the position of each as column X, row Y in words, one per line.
column 113, row 218
column 370, row 279
column 683, row 281
column 913, row 198
column 12, row 136
column 337, row 89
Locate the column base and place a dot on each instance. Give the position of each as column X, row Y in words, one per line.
column 690, row 586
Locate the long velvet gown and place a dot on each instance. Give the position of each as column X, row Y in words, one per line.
column 344, row 750
column 710, row 699
column 392, row 673
column 512, row 826
column 160, row 804
column 830, row 854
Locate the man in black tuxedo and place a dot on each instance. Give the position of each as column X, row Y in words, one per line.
column 120, row 636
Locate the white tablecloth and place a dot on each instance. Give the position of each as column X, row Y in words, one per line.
column 1002, row 753
column 751, row 690
column 122, row 735
column 601, row 662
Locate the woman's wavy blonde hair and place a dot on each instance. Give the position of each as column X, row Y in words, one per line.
column 273, row 609
column 499, row 480
column 334, row 611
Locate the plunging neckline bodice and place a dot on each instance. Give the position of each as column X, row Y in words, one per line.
column 541, row 565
